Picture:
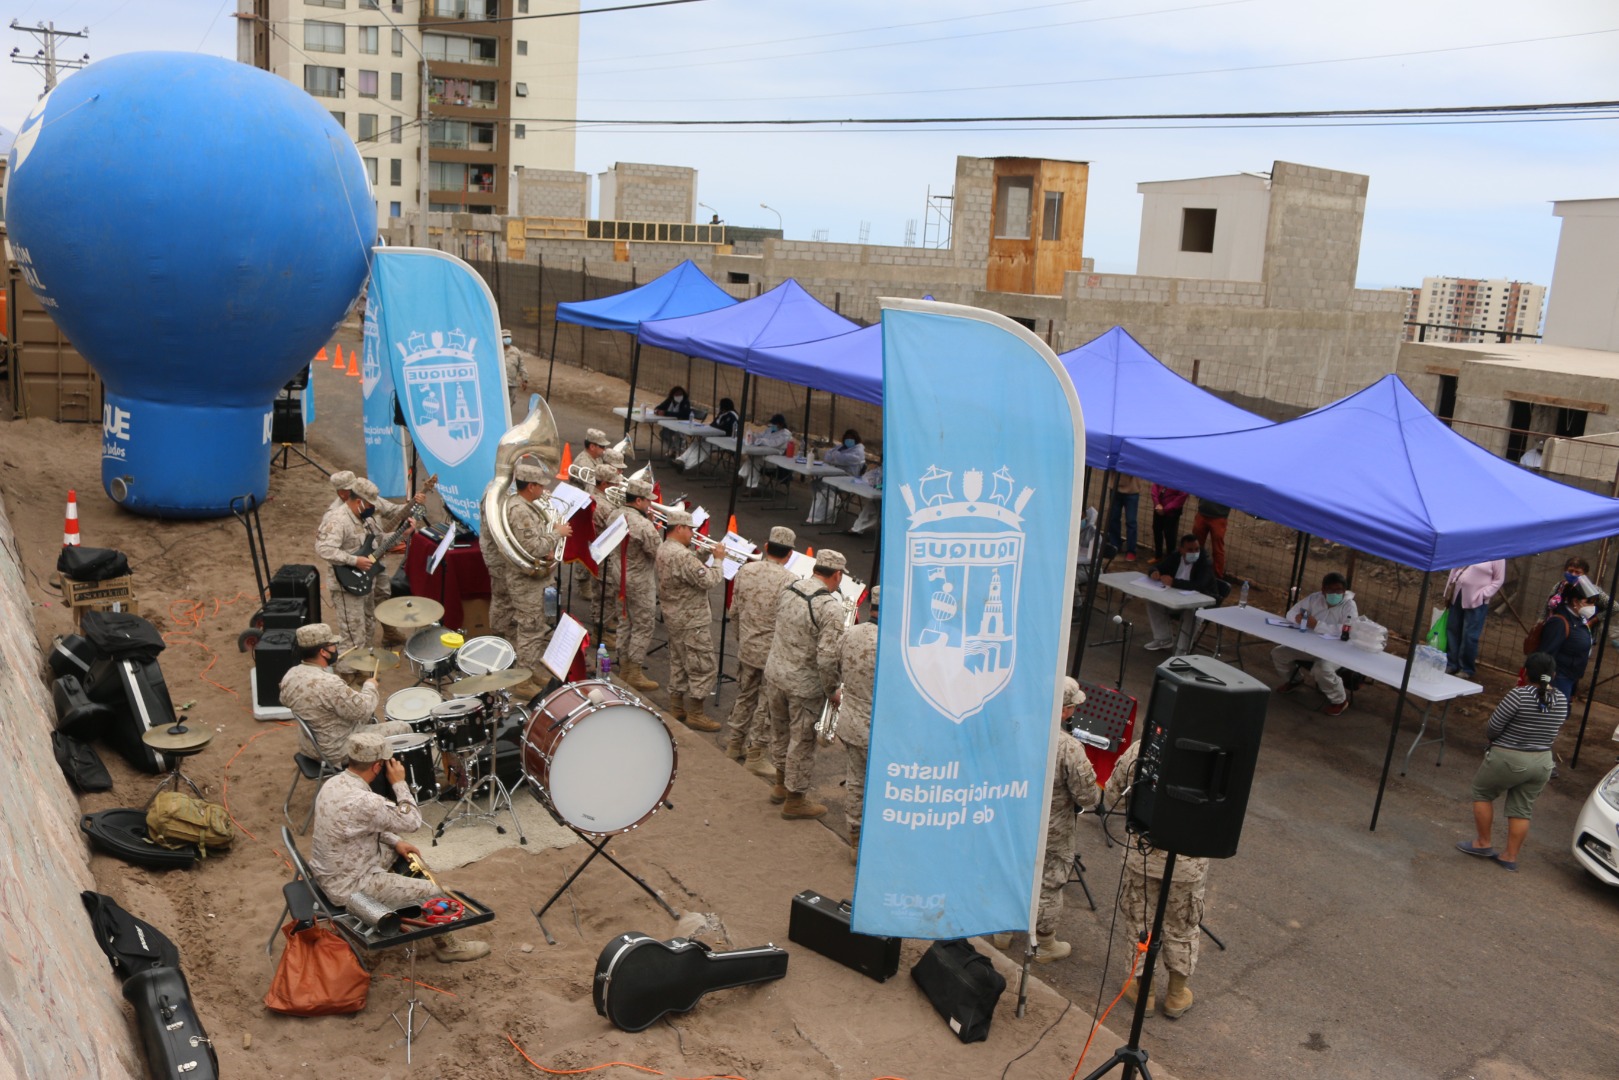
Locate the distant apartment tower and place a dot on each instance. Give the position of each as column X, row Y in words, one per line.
column 1470, row 310
column 502, row 89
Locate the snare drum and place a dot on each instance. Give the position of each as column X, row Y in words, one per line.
column 481, row 655
column 415, row 753
column 414, row 706
column 462, row 723
column 602, row 759
column 432, row 659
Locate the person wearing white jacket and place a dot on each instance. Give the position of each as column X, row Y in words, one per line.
column 1325, row 612
column 850, row 456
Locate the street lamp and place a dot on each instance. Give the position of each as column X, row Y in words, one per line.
column 711, row 210
column 780, row 228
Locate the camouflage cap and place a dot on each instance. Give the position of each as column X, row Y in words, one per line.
column 827, row 560
column 529, row 474
column 876, row 590
column 314, row 634
column 596, row 435
column 678, row 517
column 1071, row 693
column 784, row 536
column 365, row 489
column 343, row 481
column 364, row 747
column 638, row 489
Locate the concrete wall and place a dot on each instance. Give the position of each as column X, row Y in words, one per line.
column 552, row 193
column 1584, row 307
column 1242, row 212
column 1312, row 240
column 61, row 1014
column 631, row 191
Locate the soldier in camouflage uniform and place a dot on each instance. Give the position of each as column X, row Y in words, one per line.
column 516, row 372
column 343, row 529
column 755, row 591
column 601, row 607
column 684, row 584
column 1183, row 914
column 502, row 619
column 332, row 709
column 527, row 583
column 859, row 664
column 639, row 551
column 802, row 673
column 357, row 838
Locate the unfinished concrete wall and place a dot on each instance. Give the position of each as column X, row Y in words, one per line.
column 1312, row 240
column 633, row 191
column 553, row 193
column 61, row 1014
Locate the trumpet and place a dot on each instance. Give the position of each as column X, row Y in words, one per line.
column 707, row 545
column 614, row 493
column 826, row 728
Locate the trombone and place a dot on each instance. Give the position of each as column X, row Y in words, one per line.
column 707, row 545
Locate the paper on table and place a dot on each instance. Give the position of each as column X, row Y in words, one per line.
column 729, row 567
column 564, row 646
column 1145, row 580
column 1271, row 620
column 609, row 539
column 568, row 499
column 698, row 516
column 443, row 547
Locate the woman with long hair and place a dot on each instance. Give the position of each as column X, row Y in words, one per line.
column 1518, row 763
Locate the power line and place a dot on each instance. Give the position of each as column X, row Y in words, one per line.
column 470, row 24
column 45, row 59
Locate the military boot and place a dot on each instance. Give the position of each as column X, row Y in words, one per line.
column 450, row 949
column 1178, row 998
column 798, row 807
column 779, row 793
column 1049, row 950
column 677, row 707
column 854, row 844
column 610, row 639
column 1001, row 941
column 758, row 764
column 734, row 749
column 635, row 678
column 697, row 719
column 1130, row 990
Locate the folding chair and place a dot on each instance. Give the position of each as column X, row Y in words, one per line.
column 303, row 897
column 1110, row 713
column 316, row 769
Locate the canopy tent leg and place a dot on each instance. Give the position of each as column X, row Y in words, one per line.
column 1399, row 704
column 551, row 368
column 635, row 371
column 1301, row 559
column 736, row 466
column 1091, row 584
column 804, row 449
column 1591, row 688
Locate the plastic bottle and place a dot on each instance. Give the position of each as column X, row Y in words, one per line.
column 1242, row 597
column 604, row 663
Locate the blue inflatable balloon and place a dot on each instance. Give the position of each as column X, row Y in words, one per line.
column 197, row 228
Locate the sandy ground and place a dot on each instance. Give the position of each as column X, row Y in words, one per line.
column 723, row 851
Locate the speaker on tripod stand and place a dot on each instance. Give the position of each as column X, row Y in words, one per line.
column 1189, row 792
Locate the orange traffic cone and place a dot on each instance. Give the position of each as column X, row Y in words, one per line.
column 731, row 525
column 354, row 362
column 320, row 357
column 567, row 460
column 70, row 528
column 810, row 552
column 337, row 357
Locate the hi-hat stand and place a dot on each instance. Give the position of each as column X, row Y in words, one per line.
column 500, row 796
column 1131, row 1056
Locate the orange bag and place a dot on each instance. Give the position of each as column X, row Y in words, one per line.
column 318, row 974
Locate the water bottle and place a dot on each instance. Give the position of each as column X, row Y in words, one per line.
column 551, row 606
column 604, row 663
column 1242, row 597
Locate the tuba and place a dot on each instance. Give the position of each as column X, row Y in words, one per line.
column 536, row 437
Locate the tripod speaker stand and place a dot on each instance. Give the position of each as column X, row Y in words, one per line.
column 1131, row 1057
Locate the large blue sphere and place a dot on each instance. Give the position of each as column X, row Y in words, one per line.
column 198, row 228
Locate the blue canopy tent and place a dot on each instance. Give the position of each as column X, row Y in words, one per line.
column 1127, row 392
column 685, row 290
column 1378, row 472
column 850, row 365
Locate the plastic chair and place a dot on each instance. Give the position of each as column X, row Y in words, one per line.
column 316, row 769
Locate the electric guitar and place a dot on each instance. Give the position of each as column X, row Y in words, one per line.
column 639, row 978
column 359, row 582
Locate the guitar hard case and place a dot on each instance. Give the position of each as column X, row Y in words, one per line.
column 175, row 1040
column 823, row 925
column 299, row 581
column 963, row 986
column 139, row 699
column 121, row 833
column 639, row 978
column 76, row 714
column 71, row 654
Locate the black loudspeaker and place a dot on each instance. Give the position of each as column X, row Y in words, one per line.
column 274, row 656
column 1198, row 751
column 287, row 422
column 299, row 581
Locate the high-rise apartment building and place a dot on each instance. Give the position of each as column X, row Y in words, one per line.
column 502, row 88
column 1469, row 310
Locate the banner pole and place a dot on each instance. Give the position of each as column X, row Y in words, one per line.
column 1092, row 573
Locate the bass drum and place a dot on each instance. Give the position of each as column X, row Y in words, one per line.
column 481, row 655
column 414, row 706
column 432, row 659
column 602, row 759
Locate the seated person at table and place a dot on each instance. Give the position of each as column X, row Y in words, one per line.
column 1323, row 612
column 850, row 456
column 357, row 838
column 776, row 437
column 1183, row 568
column 871, row 510
column 677, row 406
column 697, row 451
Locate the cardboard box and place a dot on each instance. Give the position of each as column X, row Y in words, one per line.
column 80, row 593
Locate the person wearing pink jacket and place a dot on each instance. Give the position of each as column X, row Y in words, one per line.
column 1468, row 593
column 1166, row 519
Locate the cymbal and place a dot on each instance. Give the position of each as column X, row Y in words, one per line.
column 488, row 684
column 409, row 611
column 177, row 741
column 369, row 661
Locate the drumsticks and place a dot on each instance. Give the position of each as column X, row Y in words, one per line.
column 417, row 866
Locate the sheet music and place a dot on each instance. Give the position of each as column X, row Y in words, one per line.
column 698, row 516
column 564, row 646
column 568, row 499
column 609, row 539
column 729, row 567
column 801, row 564
column 442, row 549
column 851, row 589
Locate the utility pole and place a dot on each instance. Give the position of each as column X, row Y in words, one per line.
column 45, row 58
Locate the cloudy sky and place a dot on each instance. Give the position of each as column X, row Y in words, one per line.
column 1460, row 199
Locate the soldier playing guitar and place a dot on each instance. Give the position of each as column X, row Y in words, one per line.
column 350, row 539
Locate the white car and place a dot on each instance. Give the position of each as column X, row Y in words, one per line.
column 1596, row 833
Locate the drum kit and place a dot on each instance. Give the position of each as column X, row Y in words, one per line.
column 598, row 757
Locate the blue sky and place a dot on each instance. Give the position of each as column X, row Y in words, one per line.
column 1469, row 200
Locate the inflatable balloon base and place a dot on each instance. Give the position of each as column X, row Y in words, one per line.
column 163, row 459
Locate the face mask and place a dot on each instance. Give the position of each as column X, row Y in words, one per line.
column 1570, row 576
column 1334, row 599
column 771, row 427
column 367, row 512
column 848, row 444
column 1191, row 557
column 677, row 399
column 506, row 341
column 1585, row 612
